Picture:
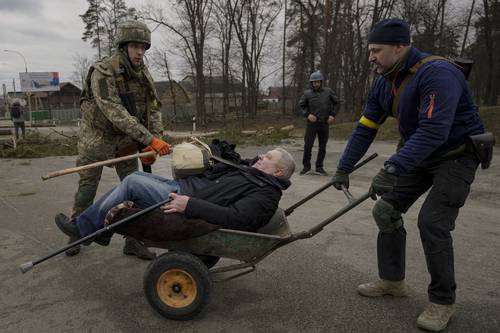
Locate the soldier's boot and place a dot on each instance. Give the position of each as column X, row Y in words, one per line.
column 135, row 248
column 435, row 317
column 73, row 251
column 383, row 287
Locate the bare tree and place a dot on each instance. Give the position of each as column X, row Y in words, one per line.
column 467, row 25
column 191, row 21
column 223, row 18
column 253, row 22
column 81, row 65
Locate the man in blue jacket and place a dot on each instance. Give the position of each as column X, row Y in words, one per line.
column 436, row 115
column 318, row 106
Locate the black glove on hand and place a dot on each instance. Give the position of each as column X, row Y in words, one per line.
column 340, row 178
column 383, row 182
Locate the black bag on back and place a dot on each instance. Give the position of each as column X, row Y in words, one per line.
column 15, row 111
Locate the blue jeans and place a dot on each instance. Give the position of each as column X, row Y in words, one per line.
column 142, row 188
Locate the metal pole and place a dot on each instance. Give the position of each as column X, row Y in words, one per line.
column 24, row 59
column 283, row 90
column 30, row 264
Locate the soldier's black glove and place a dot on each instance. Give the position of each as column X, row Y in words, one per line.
column 383, row 182
column 340, row 178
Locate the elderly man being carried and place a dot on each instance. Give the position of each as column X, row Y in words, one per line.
column 242, row 198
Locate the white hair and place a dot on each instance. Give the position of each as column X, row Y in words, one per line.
column 286, row 163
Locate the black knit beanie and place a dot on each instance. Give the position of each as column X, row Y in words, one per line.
column 391, row 31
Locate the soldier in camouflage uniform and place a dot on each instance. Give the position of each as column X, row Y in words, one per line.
column 120, row 114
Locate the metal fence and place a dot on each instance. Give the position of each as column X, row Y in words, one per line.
column 57, row 114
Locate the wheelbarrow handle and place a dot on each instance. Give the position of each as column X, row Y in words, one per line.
column 30, row 264
column 314, row 230
column 290, row 209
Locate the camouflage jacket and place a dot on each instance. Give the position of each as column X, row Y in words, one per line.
column 108, row 121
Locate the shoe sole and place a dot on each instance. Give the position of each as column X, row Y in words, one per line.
column 385, row 293
column 428, row 327
column 432, row 329
column 72, row 251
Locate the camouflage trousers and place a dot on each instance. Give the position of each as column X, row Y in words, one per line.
column 89, row 181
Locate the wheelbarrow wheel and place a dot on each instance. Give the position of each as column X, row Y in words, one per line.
column 209, row 261
column 177, row 285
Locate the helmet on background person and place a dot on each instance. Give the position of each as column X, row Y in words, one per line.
column 316, row 76
column 133, row 31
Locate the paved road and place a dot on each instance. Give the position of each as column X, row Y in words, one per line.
column 307, row 286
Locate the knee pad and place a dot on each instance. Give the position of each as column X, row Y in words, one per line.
column 387, row 218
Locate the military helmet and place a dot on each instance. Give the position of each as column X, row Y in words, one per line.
column 133, row 31
column 316, row 76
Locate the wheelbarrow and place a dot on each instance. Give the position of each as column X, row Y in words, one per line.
column 177, row 283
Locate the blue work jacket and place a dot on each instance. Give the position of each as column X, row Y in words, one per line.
column 435, row 114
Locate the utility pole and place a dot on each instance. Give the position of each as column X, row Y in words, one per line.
column 283, row 90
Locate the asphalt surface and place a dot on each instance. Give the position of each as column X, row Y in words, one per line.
column 307, row 286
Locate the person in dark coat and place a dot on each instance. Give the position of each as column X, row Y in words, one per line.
column 436, row 116
column 318, row 105
column 241, row 199
column 17, row 117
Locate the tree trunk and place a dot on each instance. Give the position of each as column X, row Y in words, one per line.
column 488, row 94
column 467, row 27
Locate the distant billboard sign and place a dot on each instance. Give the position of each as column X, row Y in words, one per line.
column 39, row 81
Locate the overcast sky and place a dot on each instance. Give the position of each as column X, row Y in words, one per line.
column 47, row 33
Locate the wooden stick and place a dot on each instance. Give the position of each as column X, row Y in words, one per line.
column 96, row 164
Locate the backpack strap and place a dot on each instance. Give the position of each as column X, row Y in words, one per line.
column 119, row 72
column 409, row 75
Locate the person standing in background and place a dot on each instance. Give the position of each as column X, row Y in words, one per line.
column 318, row 105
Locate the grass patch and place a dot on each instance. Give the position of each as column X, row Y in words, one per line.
column 260, row 138
column 37, row 145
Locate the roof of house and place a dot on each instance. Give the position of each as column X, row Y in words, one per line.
column 163, row 87
column 213, row 84
column 277, row 92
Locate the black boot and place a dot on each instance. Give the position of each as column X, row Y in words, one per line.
column 305, row 170
column 135, row 248
column 74, row 250
column 321, row 171
column 68, row 226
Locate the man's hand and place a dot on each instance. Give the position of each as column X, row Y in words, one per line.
column 312, row 118
column 160, row 146
column 177, row 205
column 148, row 160
column 383, row 182
column 331, row 119
column 340, row 178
